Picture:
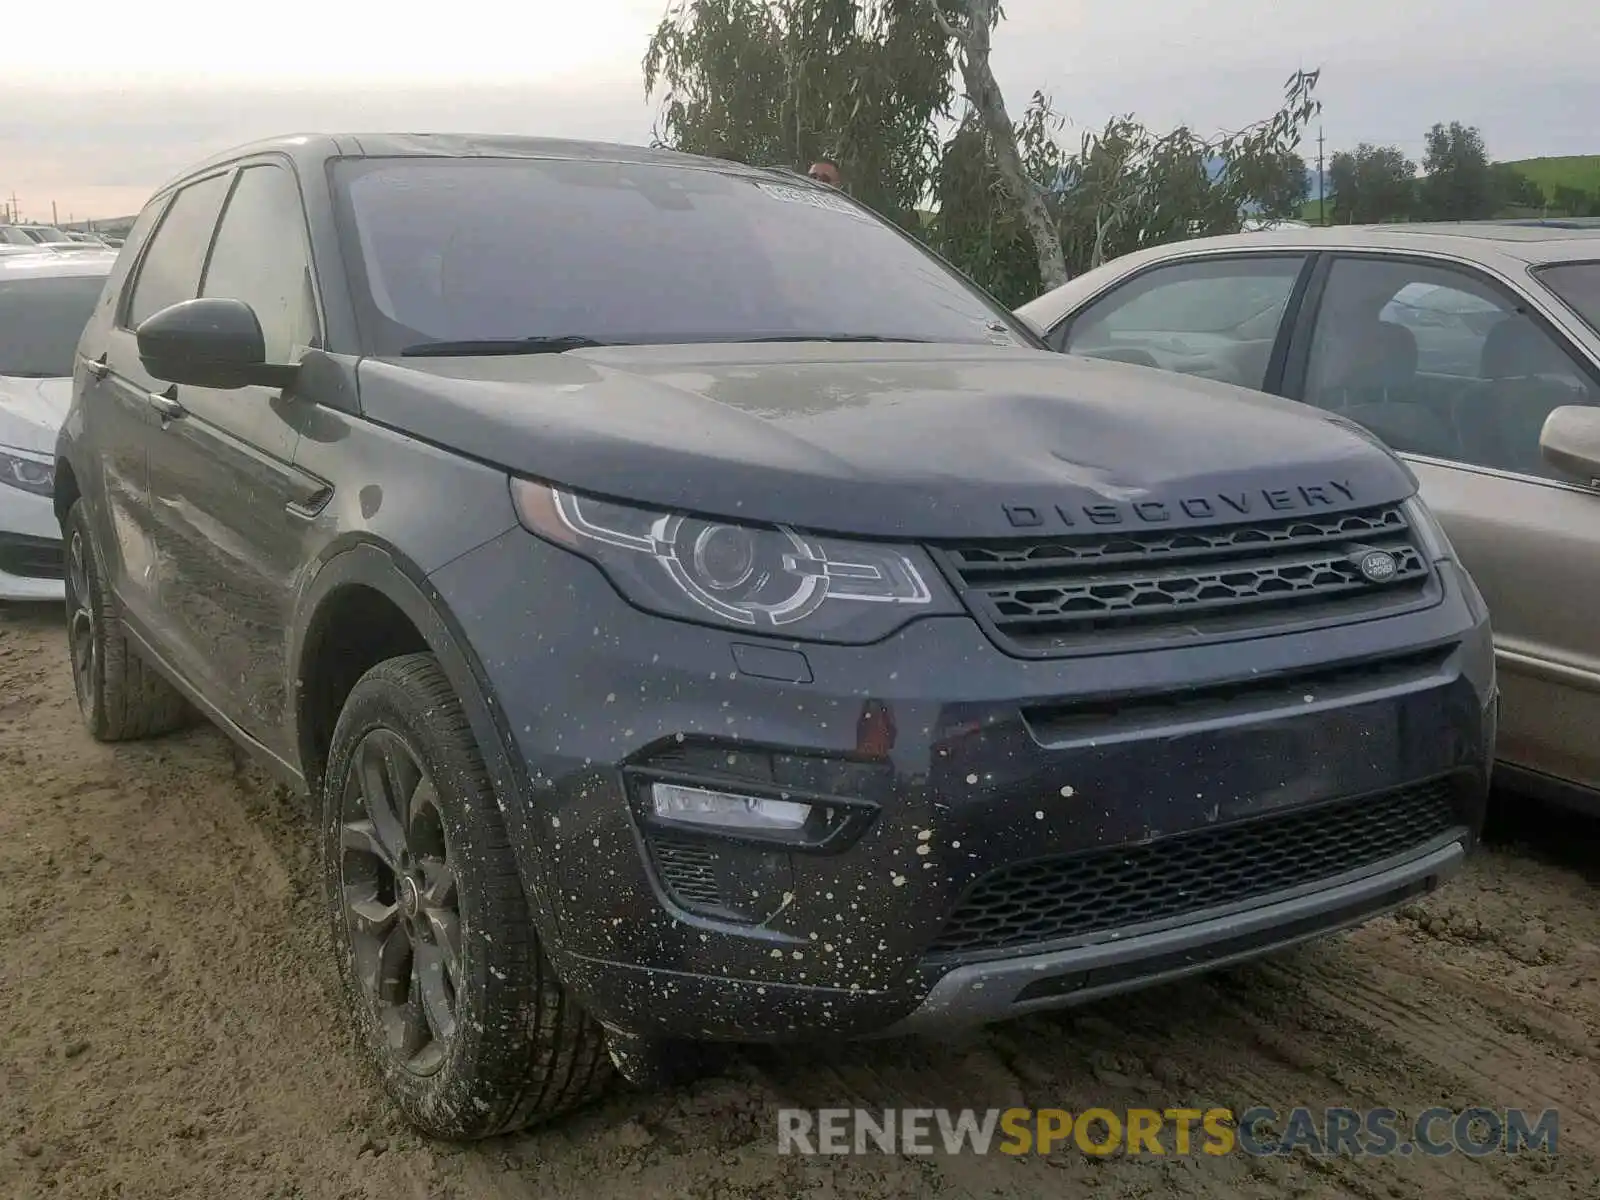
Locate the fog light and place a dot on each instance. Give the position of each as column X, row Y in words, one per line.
column 726, row 810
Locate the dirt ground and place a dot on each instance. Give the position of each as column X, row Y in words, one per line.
column 168, row 1024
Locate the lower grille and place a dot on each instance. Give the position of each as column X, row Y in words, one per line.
column 31, row 557
column 1072, row 895
column 689, row 870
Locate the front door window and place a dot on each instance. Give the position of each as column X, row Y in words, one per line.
column 1439, row 361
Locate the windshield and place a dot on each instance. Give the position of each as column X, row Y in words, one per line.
column 40, row 234
column 484, row 249
column 41, row 321
column 1579, row 285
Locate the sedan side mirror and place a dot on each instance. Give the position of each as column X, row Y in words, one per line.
column 211, row 342
column 1571, row 441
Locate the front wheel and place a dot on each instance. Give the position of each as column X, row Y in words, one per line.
column 453, row 1000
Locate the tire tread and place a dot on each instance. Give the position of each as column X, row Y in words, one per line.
column 134, row 701
column 558, row 1060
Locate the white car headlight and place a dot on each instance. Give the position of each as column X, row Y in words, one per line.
column 27, row 470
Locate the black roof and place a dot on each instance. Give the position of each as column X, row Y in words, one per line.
column 311, row 149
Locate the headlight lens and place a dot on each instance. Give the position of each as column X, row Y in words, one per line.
column 31, row 472
column 1431, row 533
column 766, row 580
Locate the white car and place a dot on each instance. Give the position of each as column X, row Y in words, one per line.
column 32, row 235
column 45, row 301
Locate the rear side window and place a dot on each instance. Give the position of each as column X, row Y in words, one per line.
column 1578, row 284
column 170, row 272
column 1217, row 318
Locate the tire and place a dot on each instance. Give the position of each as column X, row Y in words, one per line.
column 122, row 698
column 505, row 1045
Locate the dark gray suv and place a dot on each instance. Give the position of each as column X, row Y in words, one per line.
column 702, row 615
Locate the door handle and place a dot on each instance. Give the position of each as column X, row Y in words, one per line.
column 166, row 403
column 99, row 368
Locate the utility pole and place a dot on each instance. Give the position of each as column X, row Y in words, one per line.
column 13, row 209
column 54, row 219
column 1322, row 184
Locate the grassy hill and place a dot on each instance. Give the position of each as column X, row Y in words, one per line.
column 1581, row 171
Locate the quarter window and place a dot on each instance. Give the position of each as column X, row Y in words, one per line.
column 170, row 272
column 1217, row 318
column 260, row 258
column 1438, row 361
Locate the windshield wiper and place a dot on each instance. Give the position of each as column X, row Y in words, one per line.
column 486, row 346
column 828, row 337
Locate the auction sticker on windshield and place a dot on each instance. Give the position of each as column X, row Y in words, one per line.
column 816, row 199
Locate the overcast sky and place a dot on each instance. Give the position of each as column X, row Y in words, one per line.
column 107, row 102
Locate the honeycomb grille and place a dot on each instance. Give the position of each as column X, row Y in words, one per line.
column 689, row 871
column 1044, row 595
column 1072, row 895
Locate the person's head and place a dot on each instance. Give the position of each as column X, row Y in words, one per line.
column 825, row 171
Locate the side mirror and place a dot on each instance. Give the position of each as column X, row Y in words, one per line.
column 210, row 342
column 1571, row 441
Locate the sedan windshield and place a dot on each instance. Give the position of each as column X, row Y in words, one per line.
column 540, row 254
column 41, row 321
column 1578, row 284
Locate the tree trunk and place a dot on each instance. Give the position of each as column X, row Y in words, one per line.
column 983, row 91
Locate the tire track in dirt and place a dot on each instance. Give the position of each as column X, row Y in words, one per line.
column 169, row 1025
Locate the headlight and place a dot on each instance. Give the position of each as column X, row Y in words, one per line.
column 31, row 472
column 1429, row 531
column 767, row 580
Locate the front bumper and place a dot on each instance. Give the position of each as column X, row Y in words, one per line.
column 30, row 547
column 966, row 763
column 1012, row 987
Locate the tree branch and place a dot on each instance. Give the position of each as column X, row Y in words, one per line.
column 983, row 92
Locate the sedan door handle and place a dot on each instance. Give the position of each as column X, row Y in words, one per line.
column 99, row 368
column 166, row 403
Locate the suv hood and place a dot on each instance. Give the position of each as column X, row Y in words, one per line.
column 904, row 441
column 31, row 412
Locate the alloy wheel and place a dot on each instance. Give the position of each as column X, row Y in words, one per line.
column 81, row 621
column 400, row 900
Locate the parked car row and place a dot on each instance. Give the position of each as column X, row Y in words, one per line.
column 1473, row 351
column 49, row 235
column 701, row 614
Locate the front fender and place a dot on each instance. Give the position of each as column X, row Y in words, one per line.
column 369, row 564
